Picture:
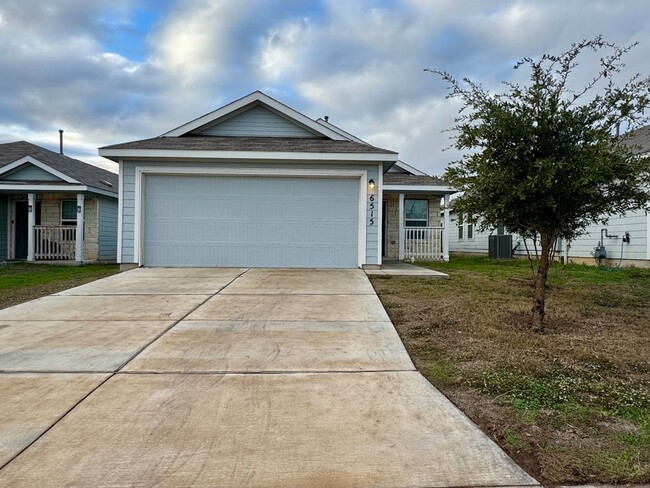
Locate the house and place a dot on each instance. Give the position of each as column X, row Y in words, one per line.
column 258, row 184
column 55, row 208
column 626, row 238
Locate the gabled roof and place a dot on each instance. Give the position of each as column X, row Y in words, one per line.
column 254, row 99
column 71, row 171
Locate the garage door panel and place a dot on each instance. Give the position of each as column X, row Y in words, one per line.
column 251, row 221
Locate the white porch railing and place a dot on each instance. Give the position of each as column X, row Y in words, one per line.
column 423, row 243
column 54, row 242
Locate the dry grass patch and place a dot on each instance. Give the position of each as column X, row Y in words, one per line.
column 572, row 405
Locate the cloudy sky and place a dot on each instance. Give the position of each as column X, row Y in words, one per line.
column 110, row 72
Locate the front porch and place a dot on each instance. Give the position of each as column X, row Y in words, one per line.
column 415, row 226
column 52, row 227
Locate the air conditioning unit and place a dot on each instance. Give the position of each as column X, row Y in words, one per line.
column 500, row 246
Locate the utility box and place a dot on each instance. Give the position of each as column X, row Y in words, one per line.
column 500, row 246
column 600, row 252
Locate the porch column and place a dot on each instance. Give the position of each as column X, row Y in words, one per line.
column 446, row 231
column 401, row 226
column 79, row 248
column 31, row 222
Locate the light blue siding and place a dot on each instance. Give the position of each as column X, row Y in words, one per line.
column 258, row 122
column 128, row 212
column 107, row 229
column 128, row 185
column 4, row 228
column 29, row 172
column 251, row 221
column 372, row 220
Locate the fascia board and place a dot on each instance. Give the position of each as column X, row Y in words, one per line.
column 244, row 155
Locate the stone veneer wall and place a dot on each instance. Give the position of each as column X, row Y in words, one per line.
column 51, row 215
column 392, row 216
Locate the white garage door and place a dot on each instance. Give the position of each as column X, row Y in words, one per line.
column 251, row 221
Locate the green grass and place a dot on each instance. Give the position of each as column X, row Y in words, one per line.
column 20, row 282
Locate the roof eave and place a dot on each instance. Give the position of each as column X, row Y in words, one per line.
column 176, row 154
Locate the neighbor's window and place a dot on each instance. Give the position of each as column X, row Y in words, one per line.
column 460, row 226
column 470, row 230
column 417, row 212
column 68, row 212
column 501, row 230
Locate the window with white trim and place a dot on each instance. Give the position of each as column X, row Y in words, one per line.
column 416, row 213
column 460, row 226
column 68, row 212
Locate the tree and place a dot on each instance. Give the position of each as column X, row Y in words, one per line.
column 546, row 160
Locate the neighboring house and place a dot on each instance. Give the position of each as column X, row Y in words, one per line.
column 55, row 208
column 465, row 239
column 254, row 183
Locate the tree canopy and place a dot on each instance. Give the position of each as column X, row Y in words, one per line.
column 546, row 159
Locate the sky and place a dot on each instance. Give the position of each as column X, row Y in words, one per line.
column 111, row 72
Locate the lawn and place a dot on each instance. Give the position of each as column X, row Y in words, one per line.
column 20, row 282
column 570, row 406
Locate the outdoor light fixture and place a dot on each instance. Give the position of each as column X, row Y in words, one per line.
column 78, row 208
column 371, row 184
column 29, row 208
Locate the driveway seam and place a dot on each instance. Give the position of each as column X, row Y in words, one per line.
column 139, row 351
column 112, row 375
column 61, row 417
column 271, row 373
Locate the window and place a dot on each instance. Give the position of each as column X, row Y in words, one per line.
column 68, row 212
column 417, row 212
column 470, row 230
column 460, row 226
column 501, row 230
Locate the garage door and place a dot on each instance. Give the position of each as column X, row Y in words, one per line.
column 251, row 221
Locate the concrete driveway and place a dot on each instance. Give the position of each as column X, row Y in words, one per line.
column 226, row 377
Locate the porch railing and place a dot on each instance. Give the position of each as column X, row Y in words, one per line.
column 423, row 243
column 55, row 242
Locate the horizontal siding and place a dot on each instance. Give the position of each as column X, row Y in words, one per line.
column 128, row 186
column 4, row 228
column 29, row 172
column 108, row 229
column 636, row 223
column 257, row 122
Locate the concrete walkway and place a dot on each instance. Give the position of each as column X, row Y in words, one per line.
column 226, row 377
column 400, row 268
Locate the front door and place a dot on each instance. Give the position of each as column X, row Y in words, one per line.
column 21, row 229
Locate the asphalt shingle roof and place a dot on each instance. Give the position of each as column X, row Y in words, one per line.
column 416, row 180
column 262, row 144
column 85, row 173
column 639, row 138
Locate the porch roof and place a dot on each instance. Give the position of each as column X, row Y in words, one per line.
column 405, row 183
column 86, row 176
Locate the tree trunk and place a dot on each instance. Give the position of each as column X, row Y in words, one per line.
column 540, row 284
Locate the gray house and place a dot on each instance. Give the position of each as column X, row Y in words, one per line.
column 55, row 208
column 254, row 183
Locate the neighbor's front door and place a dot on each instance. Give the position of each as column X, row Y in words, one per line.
column 21, row 229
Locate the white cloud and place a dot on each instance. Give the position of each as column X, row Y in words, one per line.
column 359, row 61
